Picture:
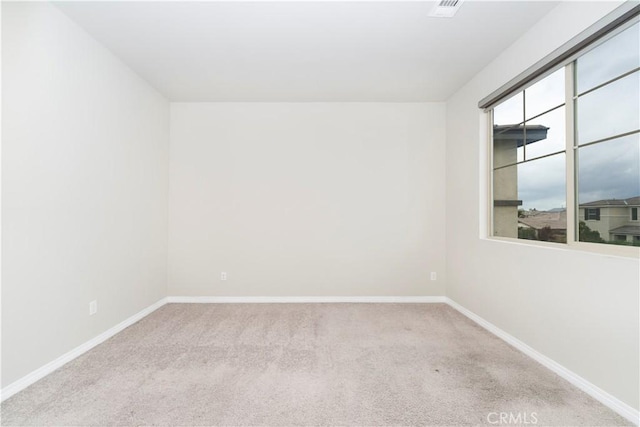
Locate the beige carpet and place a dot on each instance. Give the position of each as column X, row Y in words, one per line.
column 303, row 364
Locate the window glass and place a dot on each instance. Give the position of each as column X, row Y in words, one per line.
column 609, row 170
column 541, row 183
column 507, row 144
column 592, row 214
column 545, row 94
column 510, row 112
column 611, row 110
column 611, row 59
column 608, row 182
column 546, row 134
column 530, row 200
column 505, row 201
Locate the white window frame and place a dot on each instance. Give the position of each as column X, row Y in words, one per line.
column 571, row 148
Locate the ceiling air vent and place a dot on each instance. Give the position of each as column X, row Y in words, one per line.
column 445, row 8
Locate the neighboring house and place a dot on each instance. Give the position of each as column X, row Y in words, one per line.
column 555, row 221
column 614, row 219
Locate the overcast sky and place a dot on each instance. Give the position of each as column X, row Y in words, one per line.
column 606, row 170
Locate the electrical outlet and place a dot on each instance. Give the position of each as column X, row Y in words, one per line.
column 93, row 307
column 223, row 275
column 433, row 275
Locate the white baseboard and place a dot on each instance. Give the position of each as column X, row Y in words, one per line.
column 45, row 370
column 254, row 300
column 594, row 391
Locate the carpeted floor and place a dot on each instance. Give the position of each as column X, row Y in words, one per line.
column 304, row 364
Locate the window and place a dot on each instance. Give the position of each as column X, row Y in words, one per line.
column 592, row 214
column 529, row 136
column 566, row 148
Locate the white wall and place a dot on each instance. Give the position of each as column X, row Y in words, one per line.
column 84, row 188
column 303, row 199
column 580, row 309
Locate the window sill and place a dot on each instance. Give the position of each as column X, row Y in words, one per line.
column 594, row 248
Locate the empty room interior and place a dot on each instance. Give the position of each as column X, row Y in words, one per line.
column 358, row 213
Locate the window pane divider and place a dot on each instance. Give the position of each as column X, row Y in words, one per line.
column 524, row 126
column 555, row 153
column 544, row 112
column 571, row 181
column 529, row 119
column 609, row 138
column 615, row 79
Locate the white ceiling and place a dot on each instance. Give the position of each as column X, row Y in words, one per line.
column 305, row 51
